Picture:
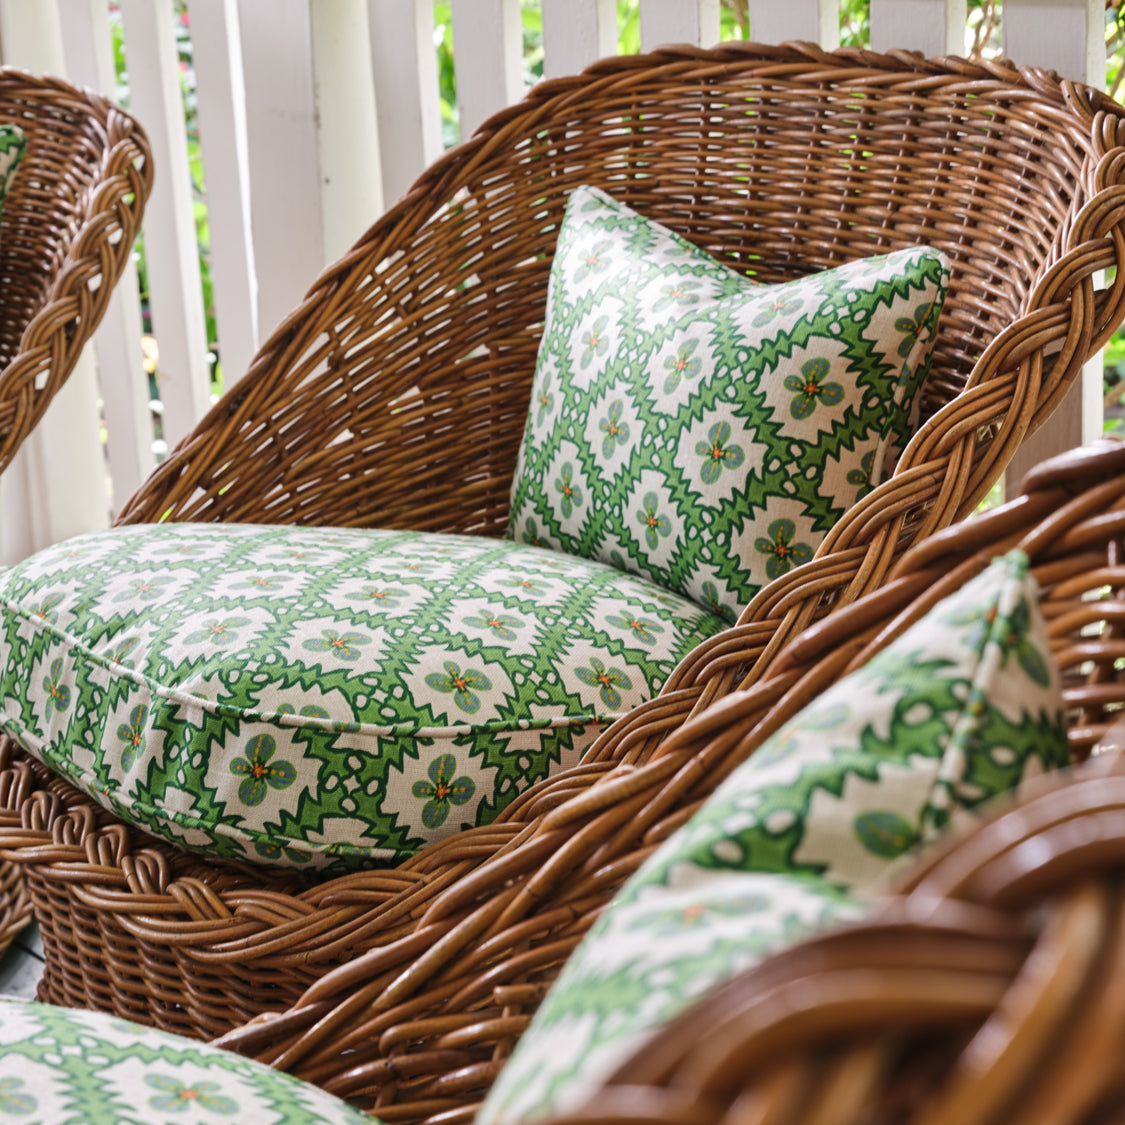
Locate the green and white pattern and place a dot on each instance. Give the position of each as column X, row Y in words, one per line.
column 59, row 1066
column 964, row 706
column 697, row 428
column 321, row 697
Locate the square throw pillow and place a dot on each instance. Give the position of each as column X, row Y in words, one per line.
column 962, row 707
column 702, row 430
column 13, row 145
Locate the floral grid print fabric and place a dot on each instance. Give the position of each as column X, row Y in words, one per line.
column 59, row 1066
column 963, row 706
column 692, row 426
column 13, row 145
column 321, row 697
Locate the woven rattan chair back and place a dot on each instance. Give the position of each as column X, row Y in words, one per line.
column 991, row 987
column 396, row 394
column 69, row 222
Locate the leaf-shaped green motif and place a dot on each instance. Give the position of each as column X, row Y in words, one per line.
column 885, row 833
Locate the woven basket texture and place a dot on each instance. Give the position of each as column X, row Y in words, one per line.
column 395, row 395
column 70, row 219
column 72, row 213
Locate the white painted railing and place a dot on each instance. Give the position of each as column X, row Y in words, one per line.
column 312, row 115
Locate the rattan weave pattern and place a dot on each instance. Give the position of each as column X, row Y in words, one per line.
column 70, row 219
column 396, row 394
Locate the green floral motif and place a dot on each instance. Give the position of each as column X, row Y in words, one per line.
column 132, row 734
column 616, row 431
column 595, row 261
column 530, row 585
column 570, row 492
column 218, row 632
column 782, row 305
column 783, row 552
column 861, row 477
column 531, row 534
column 608, row 680
column 913, row 327
column 642, row 628
column 442, row 790
column 501, row 625
column 595, row 341
column 717, row 454
column 13, row 1100
column 58, row 694
column 258, row 582
column 178, row 1097
column 716, row 605
column 308, row 711
column 810, row 389
column 46, row 608
column 145, row 589
column 463, row 685
column 545, row 399
column 680, row 293
column 385, row 597
column 260, row 775
column 344, row 646
column 121, row 652
column 670, row 922
column 655, row 524
column 274, row 852
column 1011, row 633
column 885, row 833
column 681, row 366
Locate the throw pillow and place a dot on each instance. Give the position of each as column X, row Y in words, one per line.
column 703, row 430
column 962, row 707
column 59, row 1066
column 13, row 145
column 321, row 697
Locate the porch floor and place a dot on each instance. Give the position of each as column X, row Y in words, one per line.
column 22, row 965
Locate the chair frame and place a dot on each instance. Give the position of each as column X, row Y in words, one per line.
column 988, row 986
column 373, row 404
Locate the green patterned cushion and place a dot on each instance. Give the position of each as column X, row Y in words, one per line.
column 963, row 706
column 319, row 696
column 59, row 1066
column 692, row 426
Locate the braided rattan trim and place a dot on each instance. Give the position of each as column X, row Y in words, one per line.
column 71, row 217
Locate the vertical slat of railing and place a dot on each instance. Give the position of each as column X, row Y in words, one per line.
column 217, row 56
column 287, row 233
column 487, row 44
column 772, row 21
column 347, row 134
column 934, row 27
column 56, row 485
column 171, row 254
column 575, row 33
column 679, row 21
column 1067, row 36
column 88, row 45
column 404, row 66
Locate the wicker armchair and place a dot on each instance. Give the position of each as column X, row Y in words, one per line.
column 395, row 395
column 71, row 216
column 70, row 219
column 989, row 988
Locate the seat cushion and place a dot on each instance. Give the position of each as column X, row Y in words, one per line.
column 64, row 1067
column 319, row 697
column 694, row 426
column 960, row 708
